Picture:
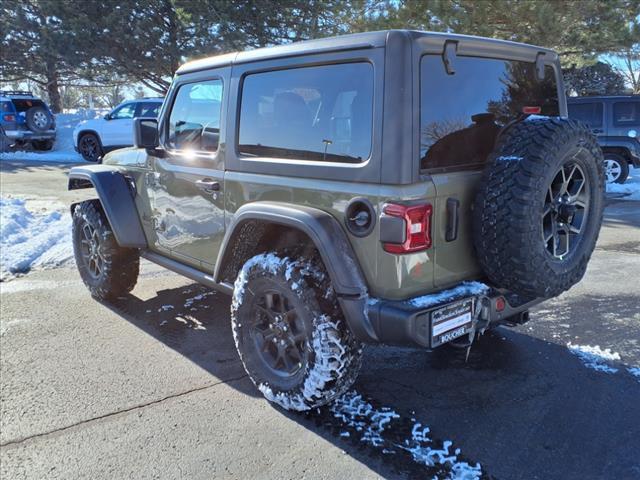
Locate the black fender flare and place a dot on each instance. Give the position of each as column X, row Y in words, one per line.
column 331, row 241
column 116, row 194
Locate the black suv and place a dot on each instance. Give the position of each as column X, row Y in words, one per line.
column 616, row 122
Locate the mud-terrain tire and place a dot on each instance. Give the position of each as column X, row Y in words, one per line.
column 290, row 332
column 38, row 119
column 43, row 145
column 90, row 147
column 538, row 211
column 616, row 168
column 107, row 269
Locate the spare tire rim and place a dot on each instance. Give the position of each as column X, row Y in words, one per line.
column 90, row 250
column 566, row 207
column 279, row 334
column 613, row 170
column 40, row 119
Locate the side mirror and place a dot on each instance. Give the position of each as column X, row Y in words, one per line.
column 145, row 132
column 107, row 116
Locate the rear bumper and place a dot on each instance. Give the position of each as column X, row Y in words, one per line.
column 29, row 135
column 402, row 323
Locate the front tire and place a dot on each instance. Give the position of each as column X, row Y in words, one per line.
column 290, row 333
column 107, row 269
column 616, row 168
column 89, row 147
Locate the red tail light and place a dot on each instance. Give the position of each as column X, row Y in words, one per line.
column 9, row 118
column 417, row 224
column 531, row 110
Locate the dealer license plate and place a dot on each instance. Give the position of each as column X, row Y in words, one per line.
column 451, row 322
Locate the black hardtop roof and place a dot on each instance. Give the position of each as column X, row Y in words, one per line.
column 602, row 98
column 347, row 42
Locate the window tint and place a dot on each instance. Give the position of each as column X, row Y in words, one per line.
column 462, row 114
column 589, row 113
column 313, row 113
column 148, row 109
column 194, row 123
column 125, row 111
column 626, row 114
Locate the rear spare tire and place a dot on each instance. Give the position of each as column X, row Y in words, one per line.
column 38, row 119
column 538, row 212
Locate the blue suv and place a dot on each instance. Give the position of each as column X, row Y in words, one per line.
column 24, row 119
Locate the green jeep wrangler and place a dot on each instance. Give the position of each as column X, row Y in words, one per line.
column 398, row 187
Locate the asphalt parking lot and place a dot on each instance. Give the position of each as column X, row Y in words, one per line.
column 151, row 386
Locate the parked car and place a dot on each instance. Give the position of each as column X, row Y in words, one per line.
column 398, row 187
column 93, row 138
column 616, row 122
column 25, row 119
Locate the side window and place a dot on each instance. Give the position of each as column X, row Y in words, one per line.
column 125, row 111
column 462, row 114
column 322, row 113
column 589, row 113
column 194, row 122
column 626, row 114
column 148, row 109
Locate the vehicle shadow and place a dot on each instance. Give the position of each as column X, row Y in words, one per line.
column 20, row 166
column 520, row 406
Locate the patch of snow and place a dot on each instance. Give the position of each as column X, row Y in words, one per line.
column 165, row 308
column 30, row 239
column 63, row 149
column 355, row 412
column 531, row 118
column 635, row 371
column 630, row 189
column 425, row 454
column 594, row 357
column 508, row 158
column 463, row 290
column 370, row 423
column 189, row 301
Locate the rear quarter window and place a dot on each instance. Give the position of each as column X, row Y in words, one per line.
column 589, row 113
column 462, row 114
column 626, row 114
column 320, row 113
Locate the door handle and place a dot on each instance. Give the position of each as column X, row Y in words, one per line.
column 208, row 185
column 453, row 206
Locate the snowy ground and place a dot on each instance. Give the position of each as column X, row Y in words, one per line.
column 62, row 151
column 32, row 238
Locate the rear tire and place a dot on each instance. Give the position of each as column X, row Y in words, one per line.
column 290, row 332
column 616, row 168
column 107, row 269
column 89, row 147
